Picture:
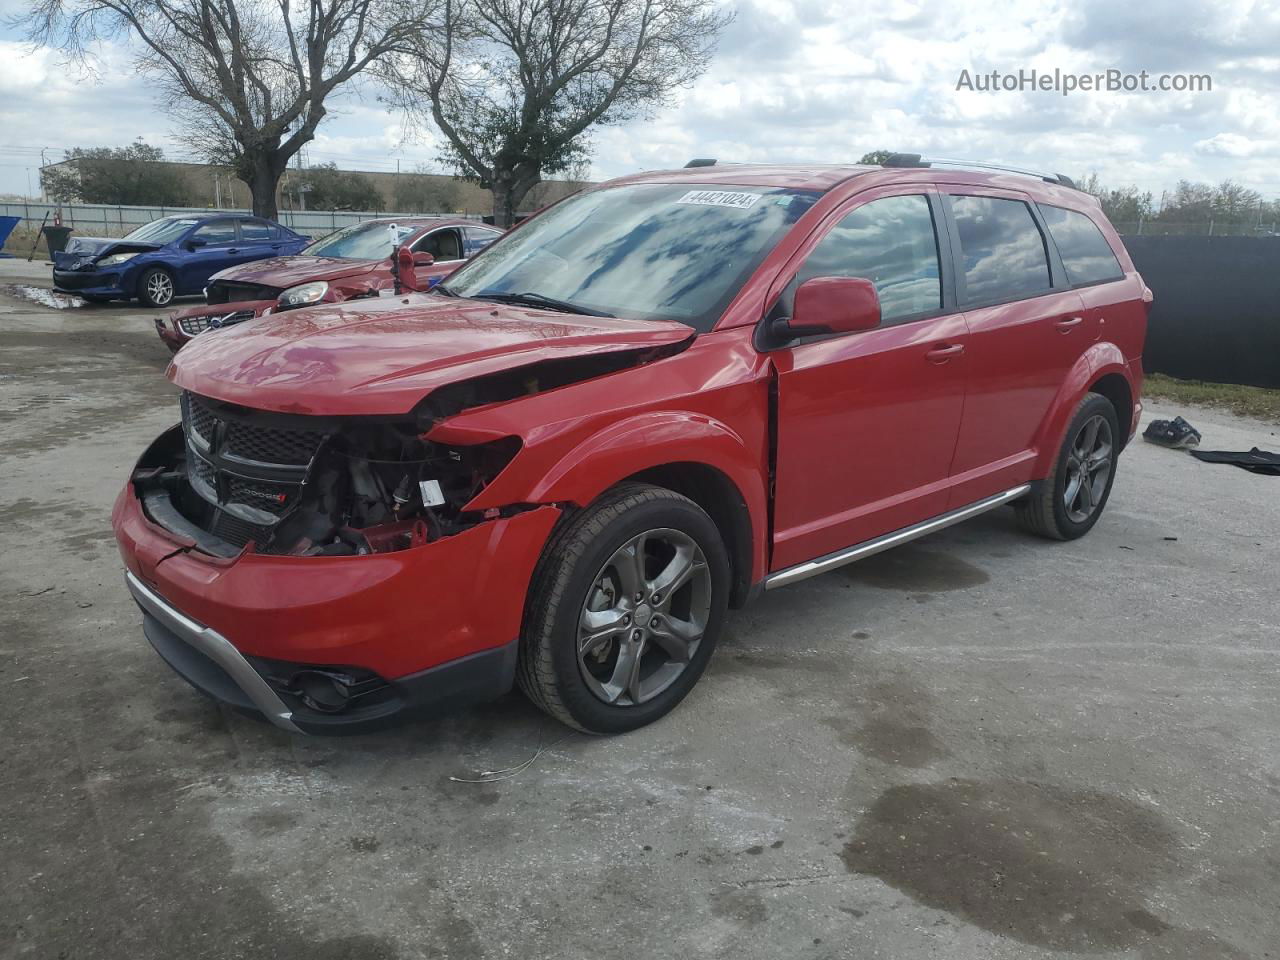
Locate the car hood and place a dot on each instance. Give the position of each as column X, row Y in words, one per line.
column 283, row 272
column 92, row 248
column 382, row 356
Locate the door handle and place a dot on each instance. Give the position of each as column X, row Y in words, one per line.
column 944, row 352
column 1067, row 323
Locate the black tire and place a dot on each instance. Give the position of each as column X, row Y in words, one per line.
column 549, row 670
column 152, row 287
column 1044, row 511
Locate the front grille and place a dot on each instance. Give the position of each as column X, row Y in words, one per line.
column 192, row 326
column 237, row 532
column 197, row 419
column 250, row 471
column 274, row 498
column 270, row 445
column 227, row 291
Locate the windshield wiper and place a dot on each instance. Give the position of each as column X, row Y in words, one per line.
column 442, row 289
column 539, row 300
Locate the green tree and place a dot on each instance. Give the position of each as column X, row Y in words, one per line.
column 1122, row 205
column 514, row 86
column 425, row 192
column 328, row 188
column 136, row 175
column 876, row 158
column 248, row 79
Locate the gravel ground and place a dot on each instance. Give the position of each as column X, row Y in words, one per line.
column 978, row 746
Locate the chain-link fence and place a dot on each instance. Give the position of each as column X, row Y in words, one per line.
column 1195, row 228
column 102, row 220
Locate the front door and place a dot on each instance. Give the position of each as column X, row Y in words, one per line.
column 212, row 246
column 867, row 422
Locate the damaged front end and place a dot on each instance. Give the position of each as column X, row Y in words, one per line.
column 231, row 479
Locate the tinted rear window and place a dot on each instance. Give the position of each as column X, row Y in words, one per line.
column 1001, row 248
column 1086, row 255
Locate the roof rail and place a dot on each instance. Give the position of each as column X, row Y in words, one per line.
column 700, row 162
column 916, row 160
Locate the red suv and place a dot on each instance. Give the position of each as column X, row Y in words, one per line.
column 641, row 407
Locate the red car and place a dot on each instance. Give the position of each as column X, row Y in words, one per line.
column 352, row 263
column 641, row 407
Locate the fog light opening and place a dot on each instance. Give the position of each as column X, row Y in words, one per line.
column 322, row 691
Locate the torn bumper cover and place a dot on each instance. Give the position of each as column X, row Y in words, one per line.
column 337, row 644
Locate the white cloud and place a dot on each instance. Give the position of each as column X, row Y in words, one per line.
column 825, row 80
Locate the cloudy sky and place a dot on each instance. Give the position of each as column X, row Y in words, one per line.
column 825, row 81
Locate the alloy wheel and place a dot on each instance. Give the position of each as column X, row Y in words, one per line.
column 160, row 288
column 1088, row 468
column 644, row 616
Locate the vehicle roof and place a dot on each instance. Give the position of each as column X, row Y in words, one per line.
column 823, row 177
column 428, row 221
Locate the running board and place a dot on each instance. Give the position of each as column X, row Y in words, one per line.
column 811, row 568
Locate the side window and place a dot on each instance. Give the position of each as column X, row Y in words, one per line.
column 1001, row 248
column 1086, row 255
column 479, row 238
column 216, row 233
column 890, row 242
column 254, row 230
column 443, row 245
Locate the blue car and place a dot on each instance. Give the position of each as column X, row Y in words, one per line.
column 168, row 258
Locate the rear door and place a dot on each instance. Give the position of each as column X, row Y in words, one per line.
column 1026, row 331
column 867, row 422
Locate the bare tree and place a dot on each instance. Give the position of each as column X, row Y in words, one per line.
column 248, row 78
column 515, row 85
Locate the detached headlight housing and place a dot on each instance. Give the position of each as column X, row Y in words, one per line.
column 115, row 259
column 303, row 294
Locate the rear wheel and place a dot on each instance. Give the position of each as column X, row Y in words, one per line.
column 155, row 287
column 625, row 610
column 1069, row 502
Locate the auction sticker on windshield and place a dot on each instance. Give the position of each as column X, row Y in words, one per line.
column 720, row 198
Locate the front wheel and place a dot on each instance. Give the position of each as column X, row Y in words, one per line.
column 155, row 287
column 625, row 609
column 1069, row 502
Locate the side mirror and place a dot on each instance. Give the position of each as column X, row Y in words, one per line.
column 402, row 272
column 196, row 242
column 423, row 259
column 832, row 305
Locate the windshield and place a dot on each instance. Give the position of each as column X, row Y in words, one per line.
column 643, row 251
column 371, row 240
column 162, row 231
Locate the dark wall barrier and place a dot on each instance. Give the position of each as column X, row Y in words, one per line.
column 1216, row 314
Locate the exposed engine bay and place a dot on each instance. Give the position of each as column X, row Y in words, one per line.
column 229, row 477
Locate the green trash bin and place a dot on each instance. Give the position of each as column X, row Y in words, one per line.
column 56, row 237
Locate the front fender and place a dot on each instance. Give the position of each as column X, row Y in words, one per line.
column 1095, row 363
column 579, row 472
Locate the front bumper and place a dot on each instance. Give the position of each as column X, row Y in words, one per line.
column 437, row 623
column 212, row 664
column 97, row 283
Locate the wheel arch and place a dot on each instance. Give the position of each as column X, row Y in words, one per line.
column 1117, row 390
column 1103, row 368
column 713, row 491
column 140, row 269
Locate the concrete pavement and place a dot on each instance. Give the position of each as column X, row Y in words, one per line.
column 979, row 746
